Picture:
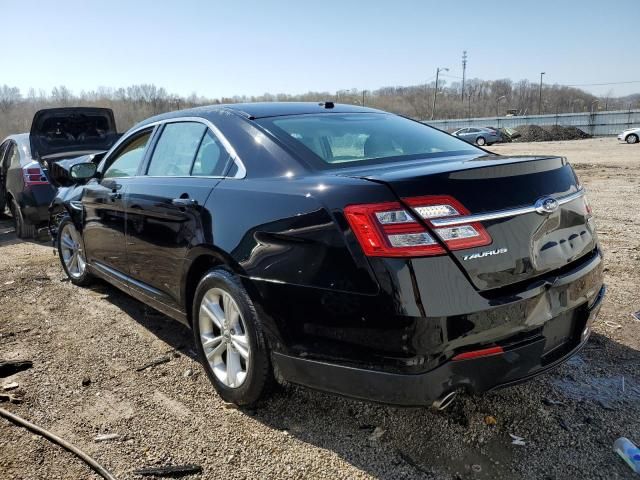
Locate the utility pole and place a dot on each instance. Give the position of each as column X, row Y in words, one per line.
column 435, row 92
column 464, row 72
column 498, row 104
column 540, row 95
column 363, row 93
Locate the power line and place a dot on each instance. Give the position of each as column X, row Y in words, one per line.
column 598, row 84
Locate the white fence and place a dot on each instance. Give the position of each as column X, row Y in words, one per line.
column 597, row 123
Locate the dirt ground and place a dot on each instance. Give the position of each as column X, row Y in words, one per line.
column 170, row 415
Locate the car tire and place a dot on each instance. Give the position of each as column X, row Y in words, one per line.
column 23, row 228
column 70, row 246
column 481, row 142
column 230, row 339
column 633, row 138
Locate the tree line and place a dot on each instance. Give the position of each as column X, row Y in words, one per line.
column 481, row 98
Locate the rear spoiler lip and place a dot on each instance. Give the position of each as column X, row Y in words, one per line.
column 512, row 212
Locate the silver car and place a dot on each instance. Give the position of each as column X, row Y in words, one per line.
column 478, row 135
column 630, row 135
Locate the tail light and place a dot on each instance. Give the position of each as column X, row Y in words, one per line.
column 34, row 175
column 390, row 230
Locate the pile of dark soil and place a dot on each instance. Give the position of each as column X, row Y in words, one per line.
column 548, row 133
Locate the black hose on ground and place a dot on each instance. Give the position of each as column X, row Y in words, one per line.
column 55, row 439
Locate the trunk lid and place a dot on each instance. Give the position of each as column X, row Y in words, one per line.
column 58, row 133
column 505, row 191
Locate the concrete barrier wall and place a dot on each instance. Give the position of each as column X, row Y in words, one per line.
column 596, row 124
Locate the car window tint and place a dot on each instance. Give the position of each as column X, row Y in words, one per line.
column 176, row 149
column 128, row 160
column 211, row 158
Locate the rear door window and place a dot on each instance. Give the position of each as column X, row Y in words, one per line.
column 176, row 149
column 211, row 158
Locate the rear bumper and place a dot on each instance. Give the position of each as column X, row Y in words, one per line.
column 37, row 215
column 34, row 203
column 519, row 362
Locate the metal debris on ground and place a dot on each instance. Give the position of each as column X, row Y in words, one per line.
column 516, row 440
column 549, row 402
column 377, row 433
column 611, row 324
column 171, row 470
column 636, row 315
column 10, row 397
column 9, row 367
column 10, row 386
column 103, row 437
column 153, row 363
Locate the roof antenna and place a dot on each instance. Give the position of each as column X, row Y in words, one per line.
column 326, row 104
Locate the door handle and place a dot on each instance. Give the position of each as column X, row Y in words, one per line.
column 184, row 202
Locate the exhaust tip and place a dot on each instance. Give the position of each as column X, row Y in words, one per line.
column 444, row 401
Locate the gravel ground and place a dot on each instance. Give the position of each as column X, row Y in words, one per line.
column 169, row 414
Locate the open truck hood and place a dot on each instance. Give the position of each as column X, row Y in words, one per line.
column 71, row 131
column 503, row 192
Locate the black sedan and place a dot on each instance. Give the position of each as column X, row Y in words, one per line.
column 338, row 247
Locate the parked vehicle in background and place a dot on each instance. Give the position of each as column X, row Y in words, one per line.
column 26, row 159
column 341, row 248
column 630, row 135
column 479, row 135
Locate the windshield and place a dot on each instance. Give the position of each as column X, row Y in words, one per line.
column 361, row 138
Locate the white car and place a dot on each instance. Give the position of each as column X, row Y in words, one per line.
column 630, row 135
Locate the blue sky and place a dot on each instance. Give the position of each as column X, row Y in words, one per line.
column 224, row 48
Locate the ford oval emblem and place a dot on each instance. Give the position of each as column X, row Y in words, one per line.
column 546, row 205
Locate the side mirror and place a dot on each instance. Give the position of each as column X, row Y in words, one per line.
column 83, row 171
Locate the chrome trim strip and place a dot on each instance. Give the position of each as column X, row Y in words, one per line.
column 76, row 205
column 483, row 217
column 242, row 171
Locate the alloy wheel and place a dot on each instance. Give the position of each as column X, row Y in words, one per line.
column 71, row 249
column 224, row 338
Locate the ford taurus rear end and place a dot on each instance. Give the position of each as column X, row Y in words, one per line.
column 486, row 269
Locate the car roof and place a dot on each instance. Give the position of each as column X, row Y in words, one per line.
column 277, row 109
column 257, row 110
column 19, row 138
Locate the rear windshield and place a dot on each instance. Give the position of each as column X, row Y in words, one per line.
column 341, row 140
